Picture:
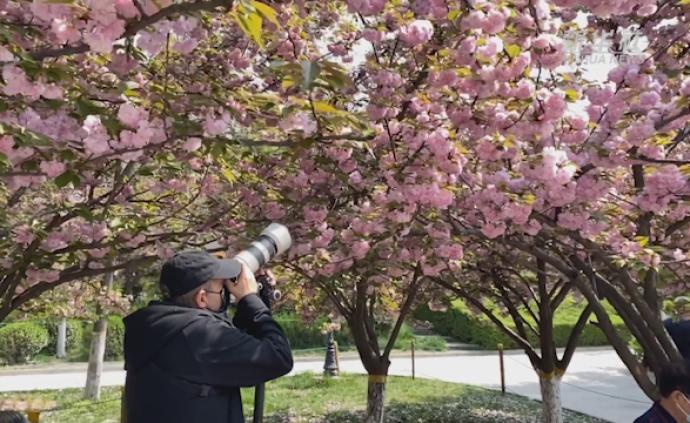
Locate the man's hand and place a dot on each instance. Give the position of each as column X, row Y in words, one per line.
column 245, row 284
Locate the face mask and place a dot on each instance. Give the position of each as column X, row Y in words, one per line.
column 224, row 301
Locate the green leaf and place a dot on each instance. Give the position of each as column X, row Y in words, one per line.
column 146, row 171
column 31, row 67
column 323, row 107
column 572, row 95
column 267, row 12
column 67, row 155
column 32, row 139
column 113, row 125
column 335, row 75
column 642, row 240
column 4, row 161
column 66, row 178
column 54, row 104
column 453, row 14
column 57, row 73
column 513, row 50
column 310, row 71
column 251, row 23
column 86, row 107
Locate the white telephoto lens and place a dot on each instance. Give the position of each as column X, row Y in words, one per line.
column 280, row 236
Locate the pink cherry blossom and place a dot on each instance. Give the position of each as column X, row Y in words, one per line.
column 54, row 241
column 126, row 8
column 494, row 229
column 96, row 139
column 366, row 7
column 52, row 168
column 5, row 55
column 416, row 33
column 34, row 275
column 131, row 115
column 216, row 126
column 450, row 251
column 192, row 144
column 64, row 31
column 23, row 235
column 360, row 249
column 372, row 35
column 299, row 121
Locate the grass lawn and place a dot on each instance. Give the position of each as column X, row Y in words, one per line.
column 310, row 398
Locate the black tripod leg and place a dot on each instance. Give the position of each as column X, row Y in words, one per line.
column 259, row 393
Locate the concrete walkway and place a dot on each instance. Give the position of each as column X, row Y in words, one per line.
column 596, row 383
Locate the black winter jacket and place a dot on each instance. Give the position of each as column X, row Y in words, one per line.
column 187, row 365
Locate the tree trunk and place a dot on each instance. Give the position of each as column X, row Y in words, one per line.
column 62, row 338
column 96, row 354
column 552, row 409
column 375, row 398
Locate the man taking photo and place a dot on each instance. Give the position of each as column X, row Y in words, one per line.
column 185, row 360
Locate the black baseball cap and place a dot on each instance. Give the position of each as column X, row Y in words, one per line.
column 190, row 269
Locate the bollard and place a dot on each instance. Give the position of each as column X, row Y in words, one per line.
column 34, row 416
column 503, row 375
column 412, row 342
column 337, row 355
column 330, row 367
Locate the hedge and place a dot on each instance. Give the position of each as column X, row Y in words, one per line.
column 115, row 338
column 303, row 336
column 75, row 334
column 466, row 326
column 21, row 341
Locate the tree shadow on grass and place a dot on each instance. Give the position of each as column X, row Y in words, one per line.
column 490, row 408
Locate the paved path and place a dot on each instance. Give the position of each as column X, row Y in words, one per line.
column 597, row 383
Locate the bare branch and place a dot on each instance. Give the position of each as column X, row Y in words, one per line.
column 417, row 281
column 575, row 333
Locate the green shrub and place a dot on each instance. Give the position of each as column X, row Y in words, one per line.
column 21, row 341
column 303, row 336
column 115, row 338
column 464, row 325
column 75, row 334
column 422, row 343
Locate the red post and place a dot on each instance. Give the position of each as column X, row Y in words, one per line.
column 503, row 373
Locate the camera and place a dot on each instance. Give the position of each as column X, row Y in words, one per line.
column 274, row 240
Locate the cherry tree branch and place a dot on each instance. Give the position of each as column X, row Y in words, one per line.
column 417, row 281
column 134, row 27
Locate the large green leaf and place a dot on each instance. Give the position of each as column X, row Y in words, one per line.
column 267, row 12
column 87, row 107
column 310, row 71
column 251, row 23
column 66, row 178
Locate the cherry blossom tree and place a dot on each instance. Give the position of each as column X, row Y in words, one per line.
column 530, row 296
column 390, row 133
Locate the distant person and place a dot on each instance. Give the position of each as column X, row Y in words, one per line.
column 185, row 360
column 674, row 405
